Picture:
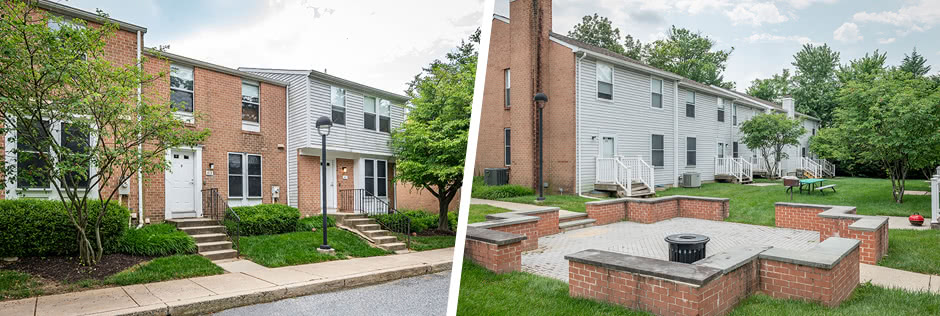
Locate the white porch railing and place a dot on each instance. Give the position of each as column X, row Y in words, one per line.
column 825, row 167
column 808, row 165
column 935, row 200
column 624, row 172
column 641, row 170
column 740, row 168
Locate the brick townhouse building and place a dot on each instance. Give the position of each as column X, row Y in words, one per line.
column 248, row 157
column 611, row 123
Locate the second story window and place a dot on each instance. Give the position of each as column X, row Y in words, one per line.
column 181, row 88
column 605, row 82
column 656, row 93
column 385, row 121
column 734, row 114
column 251, row 102
column 338, row 104
column 506, row 78
column 721, row 110
column 690, row 104
column 369, row 111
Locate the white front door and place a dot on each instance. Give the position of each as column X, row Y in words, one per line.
column 181, row 184
column 331, row 184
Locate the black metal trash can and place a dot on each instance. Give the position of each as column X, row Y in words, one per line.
column 686, row 248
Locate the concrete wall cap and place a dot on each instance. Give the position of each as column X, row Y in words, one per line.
column 825, row 255
column 493, row 236
column 658, row 200
column 733, row 258
column 505, row 221
column 682, row 272
column 863, row 222
column 512, row 214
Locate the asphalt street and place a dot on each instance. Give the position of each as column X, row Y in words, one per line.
column 420, row 295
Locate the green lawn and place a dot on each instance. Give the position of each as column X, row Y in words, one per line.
column 166, row 268
column 913, row 250
column 519, row 293
column 15, row 284
column 301, row 247
column 422, row 243
column 485, row 293
column 572, row 203
column 478, row 212
column 755, row 205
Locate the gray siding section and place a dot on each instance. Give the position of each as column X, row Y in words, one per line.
column 352, row 136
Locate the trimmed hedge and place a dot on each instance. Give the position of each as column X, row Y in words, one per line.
column 420, row 220
column 495, row 192
column 265, row 219
column 43, row 228
column 156, row 240
column 306, row 224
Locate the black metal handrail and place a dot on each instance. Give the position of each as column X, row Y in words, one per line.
column 362, row 201
column 215, row 207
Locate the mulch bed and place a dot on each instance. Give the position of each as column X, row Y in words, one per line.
column 68, row 269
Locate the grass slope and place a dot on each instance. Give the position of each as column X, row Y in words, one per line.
column 301, row 247
column 478, row 212
column 866, row 300
column 913, row 250
column 572, row 203
column 166, row 268
column 15, row 284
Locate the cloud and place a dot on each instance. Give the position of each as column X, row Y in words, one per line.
column 647, row 16
column 918, row 16
column 847, row 33
column 886, row 40
column 756, row 14
column 802, row 4
column 770, row 38
column 694, row 7
column 382, row 44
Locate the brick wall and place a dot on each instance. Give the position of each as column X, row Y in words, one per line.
column 308, row 185
column 415, row 198
column 653, row 210
column 496, row 258
column 829, row 287
column 704, row 209
column 874, row 244
column 528, row 229
column 547, row 223
column 604, row 214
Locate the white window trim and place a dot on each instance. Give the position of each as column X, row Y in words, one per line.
column 507, row 157
column 507, row 86
column 12, row 189
column 186, row 117
column 687, row 165
column 375, row 176
column 344, row 106
column 662, row 94
column 613, row 74
column 379, row 116
column 694, row 105
column 650, row 151
column 721, row 107
column 249, row 125
column 734, row 114
column 375, row 112
column 245, row 198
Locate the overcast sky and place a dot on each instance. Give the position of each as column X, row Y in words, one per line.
column 766, row 34
column 377, row 43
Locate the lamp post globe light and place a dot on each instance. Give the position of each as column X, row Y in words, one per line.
column 540, row 99
column 323, row 127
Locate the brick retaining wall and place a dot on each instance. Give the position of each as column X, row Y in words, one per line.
column 837, row 221
column 657, row 209
column 494, row 250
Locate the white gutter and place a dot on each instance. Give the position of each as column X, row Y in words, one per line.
column 140, row 179
column 577, row 114
column 675, row 133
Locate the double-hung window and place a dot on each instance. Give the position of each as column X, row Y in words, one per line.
column 658, row 151
column 506, row 78
column 376, row 177
column 721, row 109
column 369, row 113
column 605, row 82
column 244, row 176
column 506, row 139
column 656, row 93
column 690, row 151
column 385, row 121
column 690, row 104
column 76, row 141
column 734, row 149
column 32, row 169
column 338, row 105
column 734, row 114
column 181, row 88
column 251, row 106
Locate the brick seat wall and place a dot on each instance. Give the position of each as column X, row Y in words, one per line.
column 837, row 221
column 657, row 209
column 496, row 251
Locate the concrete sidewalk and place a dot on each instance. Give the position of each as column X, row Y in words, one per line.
column 252, row 284
column 894, row 278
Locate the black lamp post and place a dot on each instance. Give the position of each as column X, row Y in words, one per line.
column 323, row 127
column 540, row 99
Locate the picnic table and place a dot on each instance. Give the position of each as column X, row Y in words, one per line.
column 811, row 184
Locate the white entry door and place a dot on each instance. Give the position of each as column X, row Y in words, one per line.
column 331, row 184
column 181, row 184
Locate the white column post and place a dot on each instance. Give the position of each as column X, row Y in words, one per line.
column 935, row 202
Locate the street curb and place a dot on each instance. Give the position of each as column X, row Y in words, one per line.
column 216, row 303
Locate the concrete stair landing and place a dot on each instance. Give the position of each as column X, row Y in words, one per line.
column 573, row 220
column 211, row 240
column 371, row 230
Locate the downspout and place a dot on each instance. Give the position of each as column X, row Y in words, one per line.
column 675, row 133
column 287, row 143
column 140, row 179
column 577, row 114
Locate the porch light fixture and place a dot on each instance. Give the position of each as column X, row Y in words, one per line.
column 540, row 99
column 323, row 127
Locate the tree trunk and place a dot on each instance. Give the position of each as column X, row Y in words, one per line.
column 443, row 223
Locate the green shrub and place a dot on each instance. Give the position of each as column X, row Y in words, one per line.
column 420, row 220
column 156, row 240
column 495, row 192
column 265, row 219
column 43, row 227
column 307, row 223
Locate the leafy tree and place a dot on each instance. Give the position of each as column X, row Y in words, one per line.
column 690, row 55
column 632, row 48
column 598, row 31
column 431, row 145
column 890, row 120
column 864, row 68
column 770, row 134
column 816, row 85
column 772, row 88
column 71, row 109
column 915, row 63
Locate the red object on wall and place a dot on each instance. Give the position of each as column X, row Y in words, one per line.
column 916, row 219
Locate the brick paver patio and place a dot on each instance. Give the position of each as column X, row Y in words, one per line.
column 647, row 240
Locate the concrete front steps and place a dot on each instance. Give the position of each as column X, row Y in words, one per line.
column 372, row 231
column 211, row 240
column 573, row 220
